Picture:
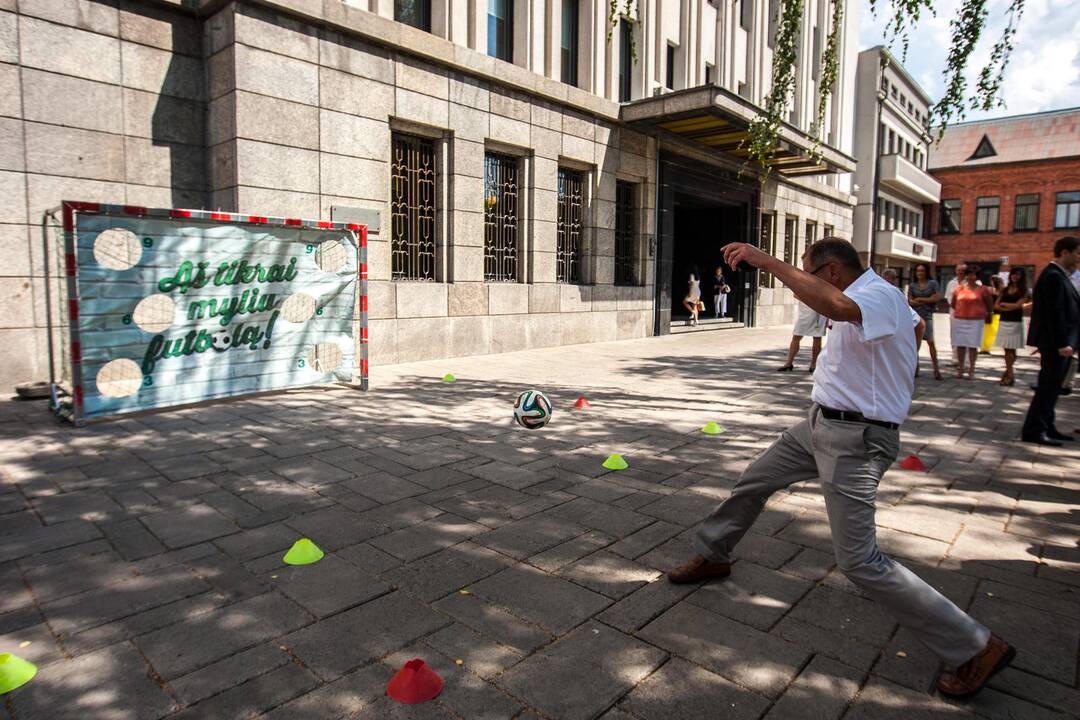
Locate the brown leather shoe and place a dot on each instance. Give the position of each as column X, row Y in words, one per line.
column 698, row 569
column 969, row 678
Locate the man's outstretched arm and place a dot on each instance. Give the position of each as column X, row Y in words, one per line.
column 817, row 294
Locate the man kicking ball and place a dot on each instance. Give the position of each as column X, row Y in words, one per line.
column 862, row 392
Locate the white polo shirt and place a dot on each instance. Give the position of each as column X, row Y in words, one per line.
column 869, row 367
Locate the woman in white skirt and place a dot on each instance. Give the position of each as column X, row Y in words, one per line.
column 807, row 324
column 1012, row 302
column 972, row 307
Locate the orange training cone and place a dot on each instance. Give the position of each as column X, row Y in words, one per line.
column 912, row 462
column 581, row 403
column 414, row 683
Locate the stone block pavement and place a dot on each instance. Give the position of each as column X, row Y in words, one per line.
column 140, row 558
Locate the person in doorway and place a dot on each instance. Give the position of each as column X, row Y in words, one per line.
column 1010, row 305
column 862, row 393
column 1055, row 331
column 693, row 296
column 972, row 304
column 720, row 292
column 807, row 324
column 924, row 293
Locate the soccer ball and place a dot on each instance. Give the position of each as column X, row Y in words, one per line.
column 532, row 409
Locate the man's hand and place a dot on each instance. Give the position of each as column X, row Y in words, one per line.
column 1065, row 352
column 735, row 253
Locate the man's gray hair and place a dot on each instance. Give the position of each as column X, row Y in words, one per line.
column 833, row 248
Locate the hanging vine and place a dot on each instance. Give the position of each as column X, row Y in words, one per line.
column 967, row 26
column 619, row 10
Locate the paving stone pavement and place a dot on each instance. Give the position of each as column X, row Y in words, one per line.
column 140, row 558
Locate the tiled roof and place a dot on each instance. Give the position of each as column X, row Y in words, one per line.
column 1040, row 136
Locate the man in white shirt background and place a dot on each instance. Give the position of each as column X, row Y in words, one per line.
column 862, row 393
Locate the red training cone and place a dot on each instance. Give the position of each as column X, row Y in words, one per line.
column 581, row 403
column 912, row 462
column 414, row 683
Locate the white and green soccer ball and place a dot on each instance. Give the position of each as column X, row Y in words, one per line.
column 532, row 409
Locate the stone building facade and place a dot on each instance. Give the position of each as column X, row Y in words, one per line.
column 892, row 146
column 1010, row 187
column 533, row 199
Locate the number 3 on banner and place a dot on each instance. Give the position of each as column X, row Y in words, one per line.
column 300, row 362
column 147, row 381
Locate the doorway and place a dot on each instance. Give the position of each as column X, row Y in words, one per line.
column 702, row 229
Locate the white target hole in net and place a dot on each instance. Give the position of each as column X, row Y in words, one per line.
column 117, row 249
column 330, row 256
column 155, row 313
column 298, row 308
column 325, row 357
column 119, row 378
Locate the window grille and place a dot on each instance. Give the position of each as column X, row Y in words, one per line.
column 412, row 208
column 625, row 233
column 790, row 225
column 501, row 194
column 568, row 249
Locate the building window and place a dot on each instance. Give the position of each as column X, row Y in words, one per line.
column 569, row 57
column 501, row 29
column 768, row 244
column 746, row 13
column 986, row 214
column 774, row 21
column 1067, row 210
column 414, row 12
column 811, row 233
column 568, row 228
column 1027, row 212
column 950, row 217
column 790, row 224
column 829, row 231
column 815, row 67
column 625, row 233
column 670, row 79
column 501, row 193
column 708, row 74
column 626, row 61
column 984, row 149
column 412, row 208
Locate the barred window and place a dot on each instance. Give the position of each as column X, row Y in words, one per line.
column 501, row 193
column 768, row 244
column 790, row 225
column 625, row 233
column 414, row 12
column 568, row 248
column 949, row 222
column 412, row 208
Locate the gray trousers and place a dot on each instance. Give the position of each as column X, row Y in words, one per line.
column 850, row 458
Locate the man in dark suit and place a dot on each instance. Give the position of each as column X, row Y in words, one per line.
column 1055, row 331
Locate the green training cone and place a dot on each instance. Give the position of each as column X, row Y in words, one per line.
column 711, row 428
column 615, row 462
column 14, row 672
column 303, row 552
column 448, row 377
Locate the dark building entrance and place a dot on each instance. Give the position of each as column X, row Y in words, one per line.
column 701, row 209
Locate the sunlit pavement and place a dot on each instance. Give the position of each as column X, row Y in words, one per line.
column 140, row 559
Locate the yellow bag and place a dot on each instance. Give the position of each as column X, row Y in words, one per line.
column 990, row 331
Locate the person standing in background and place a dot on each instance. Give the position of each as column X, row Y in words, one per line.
column 924, row 293
column 1070, row 374
column 1055, row 331
column 972, row 304
column 1012, row 301
column 720, row 292
column 808, row 323
column 950, row 290
column 990, row 330
column 693, row 296
column 890, row 276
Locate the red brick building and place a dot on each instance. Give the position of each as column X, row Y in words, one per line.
column 1009, row 188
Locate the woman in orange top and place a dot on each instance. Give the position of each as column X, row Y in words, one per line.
column 972, row 305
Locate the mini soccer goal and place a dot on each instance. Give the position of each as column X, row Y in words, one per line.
column 152, row 308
